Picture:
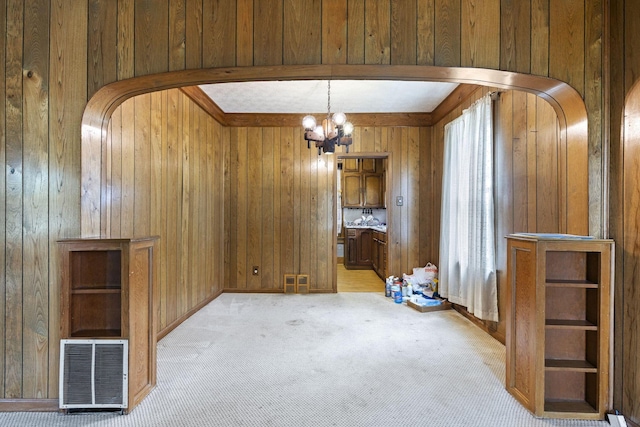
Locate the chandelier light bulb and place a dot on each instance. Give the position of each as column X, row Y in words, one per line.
column 339, row 119
column 309, row 122
column 319, row 130
column 348, row 128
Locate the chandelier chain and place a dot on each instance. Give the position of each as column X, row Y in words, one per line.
column 328, row 99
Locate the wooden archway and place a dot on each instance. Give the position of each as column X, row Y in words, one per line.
column 567, row 103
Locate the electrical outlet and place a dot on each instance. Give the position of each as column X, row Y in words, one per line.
column 255, row 270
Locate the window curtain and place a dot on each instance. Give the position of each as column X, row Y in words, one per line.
column 467, row 271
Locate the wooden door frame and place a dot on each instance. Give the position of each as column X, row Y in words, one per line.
column 387, row 182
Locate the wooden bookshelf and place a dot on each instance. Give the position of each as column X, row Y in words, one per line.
column 107, row 292
column 558, row 324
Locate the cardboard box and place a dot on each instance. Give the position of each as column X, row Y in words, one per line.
column 444, row 305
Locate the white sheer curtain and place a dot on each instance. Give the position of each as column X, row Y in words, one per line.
column 467, row 272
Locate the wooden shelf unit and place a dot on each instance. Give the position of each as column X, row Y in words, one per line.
column 559, row 324
column 107, row 292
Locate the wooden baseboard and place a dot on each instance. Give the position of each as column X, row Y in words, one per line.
column 252, row 291
column 171, row 326
column 480, row 323
column 29, row 405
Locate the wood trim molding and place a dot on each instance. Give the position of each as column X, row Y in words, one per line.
column 29, row 405
column 198, row 96
column 565, row 100
column 170, row 327
column 458, row 95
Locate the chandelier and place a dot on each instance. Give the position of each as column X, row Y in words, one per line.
column 335, row 130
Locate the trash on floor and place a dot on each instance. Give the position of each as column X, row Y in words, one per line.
column 418, row 290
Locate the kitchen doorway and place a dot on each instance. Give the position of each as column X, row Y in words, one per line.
column 361, row 221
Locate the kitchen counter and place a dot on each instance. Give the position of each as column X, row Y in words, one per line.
column 381, row 228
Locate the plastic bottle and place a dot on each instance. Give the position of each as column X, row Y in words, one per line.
column 387, row 287
column 397, row 293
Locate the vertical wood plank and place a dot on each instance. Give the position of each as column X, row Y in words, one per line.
column 177, row 35
column 447, row 33
column 480, row 45
column 184, row 288
column 125, row 46
column 540, row 37
column 594, row 101
column 167, row 259
column 231, row 278
column 35, row 250
column 102, row 36
column 173, row 227
column 532, row 163
column 287, row 204
column 128, row 171
column 515, row 33
column 355, row 32
column 277, row 167
column 268, row 32
column 547, row 170
column 244, row 11
column 334, row 32
column 151, row 46
column 254, row 204
column 267, row 210
column 115, row 178
column 404, row 30
column 377, row 19
column 13, row 356
column 193, row 43
column 566, row 47
column 219, row 23
column 413, row 198
column 425, row 207
column 425, row 32
column 157, row 210
column 67, row 95
column 142, row 170
column 302, row 32
column 519, row 161
column 242, row 212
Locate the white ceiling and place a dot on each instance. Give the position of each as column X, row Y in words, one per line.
column 310, row 96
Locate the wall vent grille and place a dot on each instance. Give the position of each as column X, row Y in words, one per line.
column 93, row 373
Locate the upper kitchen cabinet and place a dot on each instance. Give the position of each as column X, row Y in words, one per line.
column 363, row 183
column 370, row 165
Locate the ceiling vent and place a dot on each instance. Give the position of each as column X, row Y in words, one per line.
column 93, row 374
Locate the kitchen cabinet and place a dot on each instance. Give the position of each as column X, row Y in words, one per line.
column 558, row 325
column 363, row 190
column 107, row 293
column 363, row 183
column 379, row 253
column 369, row 165
column 358, row 248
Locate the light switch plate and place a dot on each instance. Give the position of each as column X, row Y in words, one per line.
column 399, row 201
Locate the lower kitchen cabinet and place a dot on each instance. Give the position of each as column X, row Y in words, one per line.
column 358, row 248
column 379, row 253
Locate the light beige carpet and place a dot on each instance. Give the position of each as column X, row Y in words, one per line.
column 352, row 359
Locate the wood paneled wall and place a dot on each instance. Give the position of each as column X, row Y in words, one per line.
column 56, row 54
column 282, row 195
column 624, row 126
column 163, row 168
